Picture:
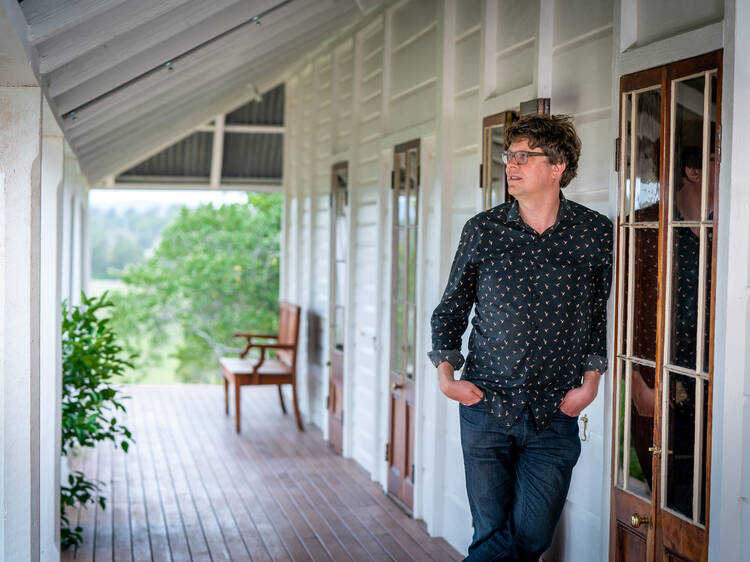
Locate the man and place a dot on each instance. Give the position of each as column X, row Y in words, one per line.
column 538, row 273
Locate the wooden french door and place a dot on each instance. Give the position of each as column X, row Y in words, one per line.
column 339, row 256
column 669, row 153
column 492, row 173
column 405, row 205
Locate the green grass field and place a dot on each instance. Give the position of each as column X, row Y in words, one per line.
column 163, row 369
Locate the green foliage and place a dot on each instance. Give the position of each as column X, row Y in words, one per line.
column 122, row 238
column 91, row 360
column 81, row 491
column 215, row 272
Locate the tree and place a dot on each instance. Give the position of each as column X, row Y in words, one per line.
column 215, row 272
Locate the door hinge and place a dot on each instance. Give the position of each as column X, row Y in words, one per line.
column 387, row 452
column 330, row 200
column 655, row 450
column 393, row 179
column 419, row 175
column 328, row 402
column 481, row 176
column 617, row 154
column 413, row 477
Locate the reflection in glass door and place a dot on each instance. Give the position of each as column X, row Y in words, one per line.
column 493, row 170
column 339, row 254
column 669, row 122
column 404, row 207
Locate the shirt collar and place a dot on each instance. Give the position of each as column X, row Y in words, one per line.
column 564, row 213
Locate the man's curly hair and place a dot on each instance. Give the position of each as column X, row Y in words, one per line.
column 554, row 135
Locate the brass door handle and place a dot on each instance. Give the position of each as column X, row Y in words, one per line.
column 397, row 386
column 638, row 520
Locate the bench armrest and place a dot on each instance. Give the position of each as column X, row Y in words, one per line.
column 251, row 336
column 263, row 346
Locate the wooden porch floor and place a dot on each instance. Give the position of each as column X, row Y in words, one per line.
column 192, row 489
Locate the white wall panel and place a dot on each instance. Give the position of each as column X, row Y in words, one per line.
column 574, row 18
column 468, row 14
column 658, row 20
column 516, row 68
column 581, row 75
column 411, row 16
column 467, row 59
column 467, row 124
column 411, row 64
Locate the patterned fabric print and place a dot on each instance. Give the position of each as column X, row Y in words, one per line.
column 685, row 306
column 540, row 304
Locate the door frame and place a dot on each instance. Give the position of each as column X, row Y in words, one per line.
column 663, row 75
column 391, row 145
column 346, row 231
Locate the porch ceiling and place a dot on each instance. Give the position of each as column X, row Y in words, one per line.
column 103, row 65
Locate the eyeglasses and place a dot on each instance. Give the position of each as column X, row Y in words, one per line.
column 520, row 156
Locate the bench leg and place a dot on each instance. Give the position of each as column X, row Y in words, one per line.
column 237, row 405
column 281, row 399
column 296, row 407
column 226, row 396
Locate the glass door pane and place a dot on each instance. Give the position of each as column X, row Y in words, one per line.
column 340, row 251
column 688, row 296
column 638, row 289
column 493, row 145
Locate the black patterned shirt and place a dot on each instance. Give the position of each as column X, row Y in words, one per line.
column 540, row 307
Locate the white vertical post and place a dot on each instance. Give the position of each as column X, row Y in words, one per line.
column 20, row 149
column 545, row 44
column 217, row 154
column 50, row 360
column 67, row 224
column 75, row 239
column 730, row 447
column 85, row 265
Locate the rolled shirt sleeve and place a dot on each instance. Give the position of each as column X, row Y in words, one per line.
column 451, row 316
column 596, row 358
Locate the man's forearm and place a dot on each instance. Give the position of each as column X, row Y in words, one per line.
column 591, row 381
column 445, row 373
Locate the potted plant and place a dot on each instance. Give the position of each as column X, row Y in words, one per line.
column 92, row 360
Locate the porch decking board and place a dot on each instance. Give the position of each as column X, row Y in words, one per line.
column 192, row 489
column 103, row 542
column 288, row 542
column 170, row 507
column 121, row 541
column 234, row 494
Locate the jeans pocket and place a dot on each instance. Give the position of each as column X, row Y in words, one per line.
column 475, row 415
column 564, row 424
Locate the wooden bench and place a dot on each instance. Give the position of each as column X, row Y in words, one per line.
column 278, row 370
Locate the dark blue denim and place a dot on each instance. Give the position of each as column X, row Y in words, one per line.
column 517, row 481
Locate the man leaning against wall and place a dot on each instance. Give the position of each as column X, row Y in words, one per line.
column 537, row 272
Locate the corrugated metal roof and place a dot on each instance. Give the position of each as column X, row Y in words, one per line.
column 249, row 156
column 190, row 157
column 252, row 156
column 269, row 111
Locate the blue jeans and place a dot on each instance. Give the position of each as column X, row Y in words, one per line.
column 517, row 481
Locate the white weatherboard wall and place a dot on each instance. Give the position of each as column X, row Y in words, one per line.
column 432, row 70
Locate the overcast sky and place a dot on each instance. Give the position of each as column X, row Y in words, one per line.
column 144, row 199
